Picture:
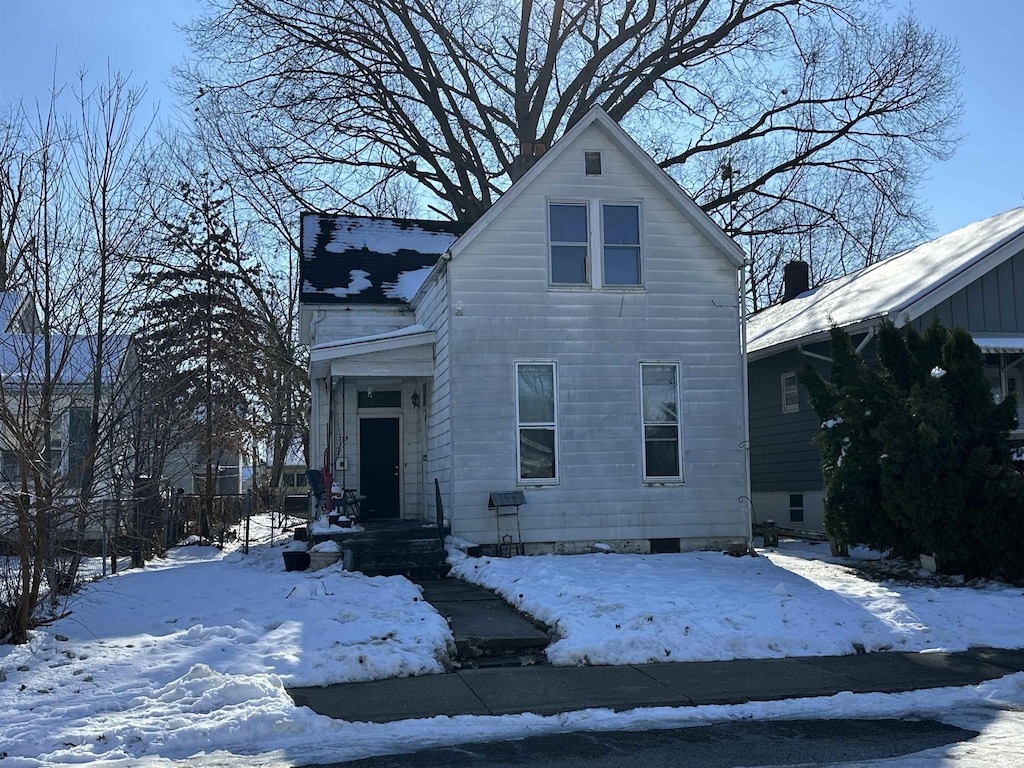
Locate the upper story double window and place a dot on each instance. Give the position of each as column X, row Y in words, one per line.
column 606, row 255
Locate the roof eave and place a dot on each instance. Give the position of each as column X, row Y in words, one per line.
column 816, row 337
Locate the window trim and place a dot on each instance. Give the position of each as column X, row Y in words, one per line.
column 588, row 266
column 680, row 453
column 595, row 260
column 786, row 407
column 802, row 507
column 601, row 204
column 537, row 481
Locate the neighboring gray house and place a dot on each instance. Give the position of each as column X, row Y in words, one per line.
column 185, row 470
column 580, row 343
column 972, row 278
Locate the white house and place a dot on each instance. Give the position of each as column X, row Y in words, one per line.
column 581, row 343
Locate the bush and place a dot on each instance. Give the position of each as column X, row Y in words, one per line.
column 920, row 461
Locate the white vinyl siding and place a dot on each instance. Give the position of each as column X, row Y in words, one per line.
column 536, row 421
column 510, row 312
column 790, row 393
column 659, row 390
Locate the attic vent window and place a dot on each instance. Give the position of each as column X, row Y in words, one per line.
column 592, row 163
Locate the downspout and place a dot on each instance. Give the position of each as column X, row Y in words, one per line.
column 318, row 316
column 746, row 405
column 447, row 256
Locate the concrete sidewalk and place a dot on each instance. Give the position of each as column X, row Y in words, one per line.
column 547, row 690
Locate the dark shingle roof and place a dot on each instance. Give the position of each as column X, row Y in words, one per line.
column 369, row 260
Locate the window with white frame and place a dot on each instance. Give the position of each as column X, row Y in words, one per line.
column 659, row 384
column 568, row 230
column 536, row 422
column 790, row 393
column 621, row 244
column 796, row 507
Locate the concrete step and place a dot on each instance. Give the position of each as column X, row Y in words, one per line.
column 370, row 547
column 398, row 531
column 504, row 661
column 427, row 563
column 411, row 571
column 484, row 625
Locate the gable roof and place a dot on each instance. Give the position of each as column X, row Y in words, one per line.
column 368, row 260
column 909, row 284
column 23, row 357
column 17, row 312
column 641, row 160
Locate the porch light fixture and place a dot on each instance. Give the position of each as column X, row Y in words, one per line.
column 415, row 399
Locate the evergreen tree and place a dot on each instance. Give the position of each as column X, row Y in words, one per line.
column 202, row 338
column 852, row 404
column 947, row 446
column 915, row 455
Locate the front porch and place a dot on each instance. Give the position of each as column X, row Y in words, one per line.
column 369, row 421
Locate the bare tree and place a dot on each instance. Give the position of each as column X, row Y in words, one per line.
column 344, row 103
column 71, row 214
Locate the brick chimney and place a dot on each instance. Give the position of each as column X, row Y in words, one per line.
column 796, row 278
column 529, row 153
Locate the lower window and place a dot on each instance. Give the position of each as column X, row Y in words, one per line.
column 659, row 384
column 796, row 507
column 536, row 422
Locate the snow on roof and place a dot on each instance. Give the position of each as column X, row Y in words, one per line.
column 885, row 289
column 409, row 330
column 357, row 259
column 407, row 285
column 71, row 357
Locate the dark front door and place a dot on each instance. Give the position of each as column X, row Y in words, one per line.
column 378, row 468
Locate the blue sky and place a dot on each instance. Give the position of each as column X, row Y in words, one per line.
column 985, row 177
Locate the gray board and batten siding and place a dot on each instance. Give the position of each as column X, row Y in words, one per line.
column 994, row 303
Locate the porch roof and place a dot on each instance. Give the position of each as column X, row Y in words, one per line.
column 996, row 344
column 406, row 351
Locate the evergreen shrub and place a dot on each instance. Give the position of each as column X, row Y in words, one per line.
column 915, row 453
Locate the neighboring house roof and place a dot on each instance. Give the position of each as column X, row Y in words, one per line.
column 362, row 260
column 906, row 285
column 16, row 311
column 71, row 357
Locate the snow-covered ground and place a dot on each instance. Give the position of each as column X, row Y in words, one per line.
column 186, row 661
column 703, row 606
